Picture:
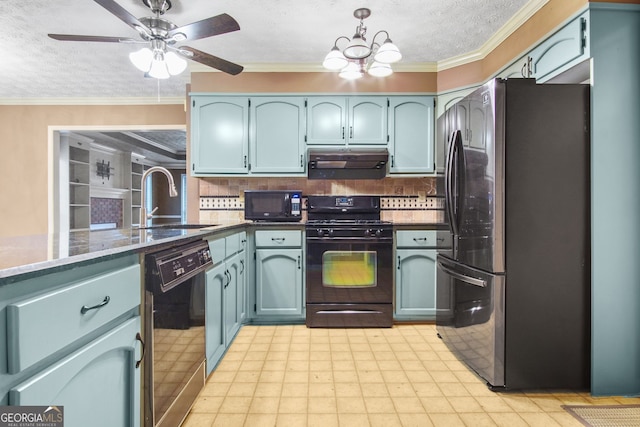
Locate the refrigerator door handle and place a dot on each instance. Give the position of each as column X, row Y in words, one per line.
column 448, row 183
column 455, row 143
column 470, row 280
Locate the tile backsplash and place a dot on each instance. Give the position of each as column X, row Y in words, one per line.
column 402, row 199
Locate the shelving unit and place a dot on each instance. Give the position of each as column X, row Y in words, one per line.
column 79, row 187
column 137, row 169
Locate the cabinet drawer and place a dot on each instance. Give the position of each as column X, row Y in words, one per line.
column 420, row 239
column 40, row 326
column 279, row 238
column 218, row 250
column 235, row 243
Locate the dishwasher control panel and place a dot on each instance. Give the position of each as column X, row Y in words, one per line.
column 171, row 267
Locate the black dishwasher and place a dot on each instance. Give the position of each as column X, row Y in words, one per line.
column 174, row 331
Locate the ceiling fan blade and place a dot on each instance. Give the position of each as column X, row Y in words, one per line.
column 79, row 38
column 211, row 61
column 213, row 26
column 125, row 16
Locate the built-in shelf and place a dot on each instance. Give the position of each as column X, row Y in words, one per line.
column 79, row 186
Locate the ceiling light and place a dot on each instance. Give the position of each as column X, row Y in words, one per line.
column 159, row 63
column 378, row 69
column 352, row 71
column 358, row 56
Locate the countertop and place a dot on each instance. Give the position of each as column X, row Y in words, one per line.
column 27, row 255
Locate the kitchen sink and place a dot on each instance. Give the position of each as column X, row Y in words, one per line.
column 177, row 226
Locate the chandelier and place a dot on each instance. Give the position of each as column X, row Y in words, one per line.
column 358, row 57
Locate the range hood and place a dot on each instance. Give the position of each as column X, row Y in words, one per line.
column 351, row 163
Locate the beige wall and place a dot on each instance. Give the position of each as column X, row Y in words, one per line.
column 24, row 165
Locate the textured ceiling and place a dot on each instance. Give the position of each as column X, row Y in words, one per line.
column 274, row 33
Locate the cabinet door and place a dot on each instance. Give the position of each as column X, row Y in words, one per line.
column 367, row 120
column 231, row 296
column 277, row 135
column 214, row 315
column 562, row 50
column 326, row 121
column 279, row 282
column 477, row 124
column 411, row 131
column 98, row 385
column 415, row 284
column 219, row 139
column 461, row 121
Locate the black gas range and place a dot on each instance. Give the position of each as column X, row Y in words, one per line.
column 349, row 263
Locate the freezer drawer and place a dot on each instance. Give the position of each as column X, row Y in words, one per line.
column 470, row 317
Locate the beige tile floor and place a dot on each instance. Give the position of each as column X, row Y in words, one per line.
column 403, row 376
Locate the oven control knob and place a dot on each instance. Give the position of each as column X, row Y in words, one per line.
column 320, row 232
column 379, row 232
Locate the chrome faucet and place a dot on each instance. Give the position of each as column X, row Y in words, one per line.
column 172, row 191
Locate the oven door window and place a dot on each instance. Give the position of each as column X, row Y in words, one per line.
column 349, row 269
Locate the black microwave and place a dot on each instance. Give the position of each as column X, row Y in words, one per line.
column 272, row 205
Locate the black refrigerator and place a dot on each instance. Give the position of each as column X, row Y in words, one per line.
column 513, row 292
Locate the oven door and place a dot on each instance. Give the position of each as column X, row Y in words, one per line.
column 349, row 271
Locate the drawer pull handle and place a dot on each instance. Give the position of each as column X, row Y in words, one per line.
column 104, row 302
column 139, row 338
column 420, row 239
column 277, row 239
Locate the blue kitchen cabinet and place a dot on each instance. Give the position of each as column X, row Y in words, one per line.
column 279, row 274
column 356, row 120
column 225, row 295
column 215, row 346
column 564, row 49
column 415, row 296
column 98, row 385
column 276, row 135
column 71, row 337
column 411, row 134
column 219, row 135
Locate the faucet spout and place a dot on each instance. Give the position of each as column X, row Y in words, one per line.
column 172, row 190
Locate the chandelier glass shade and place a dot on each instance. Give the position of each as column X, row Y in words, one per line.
column 358, row 57
column 157, row 62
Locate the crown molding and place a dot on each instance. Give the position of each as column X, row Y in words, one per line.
column 527, row 11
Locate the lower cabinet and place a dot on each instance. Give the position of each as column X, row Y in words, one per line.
column 415, row 296
column 71, row 338
column 279, row 275
column 97, row 385
column 225, row 295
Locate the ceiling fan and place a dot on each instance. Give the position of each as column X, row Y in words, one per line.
column 162, row 35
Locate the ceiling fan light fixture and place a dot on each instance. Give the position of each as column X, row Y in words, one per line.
column 175, row 64
column 159, row 67
column 142, row 59
column 335, row 60
column 388, row 53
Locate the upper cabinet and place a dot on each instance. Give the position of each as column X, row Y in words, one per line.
column 276, row 135
column 219, row 135
column 411, row 134
column 561, row 51
column 360, row 120
column 269, row 135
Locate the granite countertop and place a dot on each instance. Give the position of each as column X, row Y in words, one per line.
column 22, row 255
column 28, row 254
